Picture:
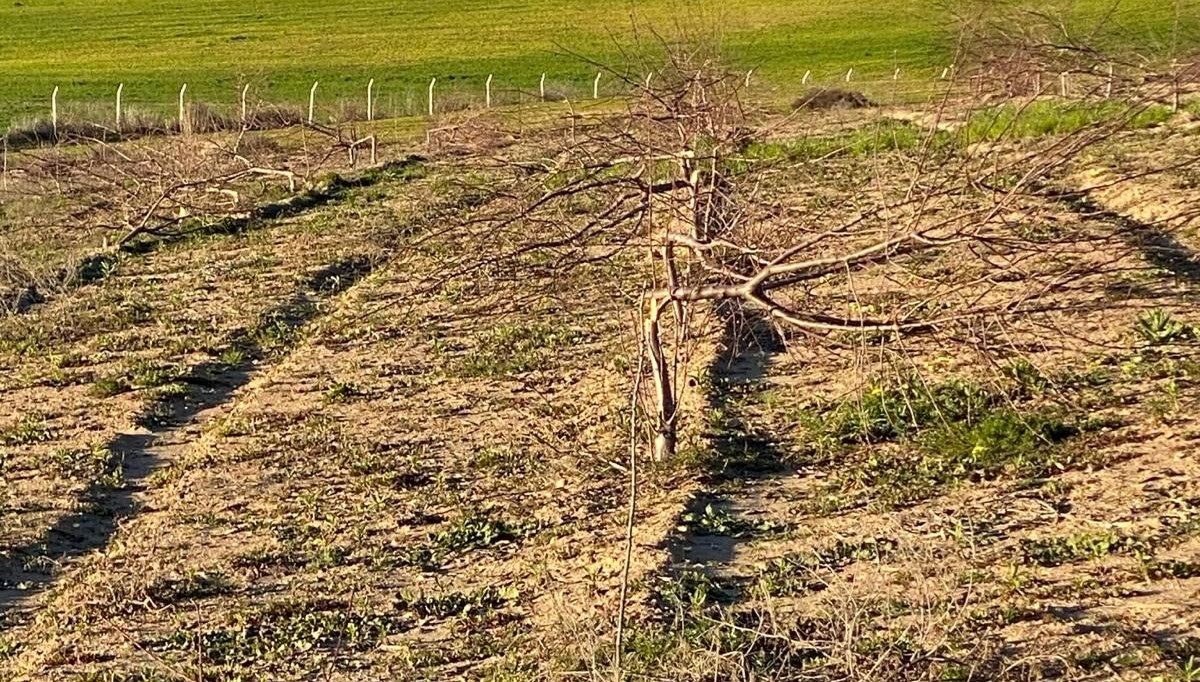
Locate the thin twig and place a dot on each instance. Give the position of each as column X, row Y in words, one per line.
column 629, row 522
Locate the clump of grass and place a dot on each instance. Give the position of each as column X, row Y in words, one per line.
column 516, row 349
column 1043, row 118
column 1027, row 377
column 194, row 585
column 1158, row 327
column 232, row 357
column 891, row 410
column 886, row 135
column 454, row 604
column 689, row 591
column 800, row 572
column 140, row 374
column 504, row 459
column 1038, row 119
column 109, row 386
column 150, row 374
column 80, row 463
column 402, row 464
column 279, row 634
column 1003, row 441
column 476, row 531
column 1056, row 551
column 952, row 431
column 341, row 392
column 30, row 429
column 1161, row 569
column 715, row 521
column 280, row 329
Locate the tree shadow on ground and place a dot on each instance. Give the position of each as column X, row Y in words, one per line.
column 26, row 571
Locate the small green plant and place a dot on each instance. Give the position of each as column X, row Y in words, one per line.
column 471, row 532
column 504, row 459
column 1158, row 327
column 232, row 357
column 279, row 633
column 30, row 429
column 96, row 268
column 277, row 330
column 454, row 604
column 193, row 585
column 341, row 392
column 109, row 386
column 515, row 349
column 80, row 463
column 476, row 531
column 1189, row 670
column 711, row 521
column 688, row 592
column 145, row 373
column 1028, row 378
column 800, row 572
column 1056, row 551
column 1165, row 404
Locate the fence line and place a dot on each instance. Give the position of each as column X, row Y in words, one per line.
column 1100, row 81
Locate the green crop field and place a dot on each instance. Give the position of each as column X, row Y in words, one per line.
column 86, row 47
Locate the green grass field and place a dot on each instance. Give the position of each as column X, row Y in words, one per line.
column 87, row 46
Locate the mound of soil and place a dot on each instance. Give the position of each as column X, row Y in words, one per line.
column 832, row 98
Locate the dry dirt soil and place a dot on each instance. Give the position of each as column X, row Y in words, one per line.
column 363, row 440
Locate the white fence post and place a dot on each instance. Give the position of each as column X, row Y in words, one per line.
column 807, row 76
column 542, row 87
column 596, row 86
column 54, row 111
column 850, row 74
column 431, row 84
column 1062, row 80
column 120, row 88
column 1108, row 86
column 312, row 101
column 488, row 91
column 1037, row 84
column 245, row 89
column 371, row 100
column 182, row 110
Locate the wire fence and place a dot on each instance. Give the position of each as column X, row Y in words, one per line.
column 127, row 114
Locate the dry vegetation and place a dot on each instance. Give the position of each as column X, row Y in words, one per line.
column 915, row 395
